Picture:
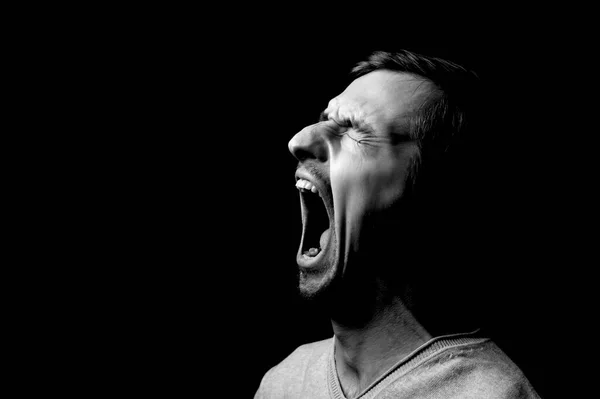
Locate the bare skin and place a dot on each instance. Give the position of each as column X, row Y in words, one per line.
column 362, row 168
column 365, row 353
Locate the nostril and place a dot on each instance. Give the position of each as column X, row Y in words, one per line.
column 302, row 154
column 308, row 144
column 299, row 151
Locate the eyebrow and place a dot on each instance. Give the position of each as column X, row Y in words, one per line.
column 360, row 123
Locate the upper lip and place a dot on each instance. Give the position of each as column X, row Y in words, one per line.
column 322, row 187
column 302, row 174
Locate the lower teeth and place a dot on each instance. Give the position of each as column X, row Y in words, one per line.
column 312, row 252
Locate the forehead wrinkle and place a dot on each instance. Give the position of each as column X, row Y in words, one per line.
column 343, row 105
column 354, row 110
column 386, row 105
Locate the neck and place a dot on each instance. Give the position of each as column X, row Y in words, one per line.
column 366, row 349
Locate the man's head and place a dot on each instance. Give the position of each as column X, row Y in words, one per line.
column 376, row 145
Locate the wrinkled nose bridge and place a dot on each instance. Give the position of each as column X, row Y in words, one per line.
column 309, row 143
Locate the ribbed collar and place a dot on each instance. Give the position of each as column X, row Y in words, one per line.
column 419, row 355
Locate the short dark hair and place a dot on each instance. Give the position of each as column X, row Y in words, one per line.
column 445, row 115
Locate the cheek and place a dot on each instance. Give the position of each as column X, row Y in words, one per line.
column 383, row 181
column 370, row 183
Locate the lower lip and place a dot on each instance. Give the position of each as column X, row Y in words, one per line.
column 310, row 262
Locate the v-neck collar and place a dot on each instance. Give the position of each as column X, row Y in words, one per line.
column 422, row 353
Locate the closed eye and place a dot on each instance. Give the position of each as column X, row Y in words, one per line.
column 324, row 117
column 345, row 126
column 343, row 123
column 347, row 123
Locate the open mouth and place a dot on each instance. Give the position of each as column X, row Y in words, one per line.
column 316, row 227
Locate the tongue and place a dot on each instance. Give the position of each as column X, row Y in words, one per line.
column 322, row 242
column 324, row 238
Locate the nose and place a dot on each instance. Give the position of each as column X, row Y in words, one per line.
column 309, row 143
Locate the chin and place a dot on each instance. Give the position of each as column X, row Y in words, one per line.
column 315, row 284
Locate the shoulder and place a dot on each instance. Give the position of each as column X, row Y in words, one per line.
column 307, row 365
column 474, row 370
column 305, row 356
column 483, row 370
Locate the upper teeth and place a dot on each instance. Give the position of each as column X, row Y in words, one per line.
column 306, row 185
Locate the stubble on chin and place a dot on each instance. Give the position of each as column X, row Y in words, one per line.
column 314, row 285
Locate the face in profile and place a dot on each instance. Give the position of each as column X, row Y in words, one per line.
column 353, row 164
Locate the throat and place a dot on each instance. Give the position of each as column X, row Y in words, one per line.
column 353, row 380
column 363, row 355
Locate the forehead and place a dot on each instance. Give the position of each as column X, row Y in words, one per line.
column 382, row 95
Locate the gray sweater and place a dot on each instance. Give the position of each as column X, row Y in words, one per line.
column 452, row 366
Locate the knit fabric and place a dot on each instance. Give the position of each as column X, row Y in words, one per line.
column 454, row 366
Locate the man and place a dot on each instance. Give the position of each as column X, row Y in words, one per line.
column 374, row 176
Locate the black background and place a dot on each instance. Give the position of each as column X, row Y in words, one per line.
column 200, row 220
